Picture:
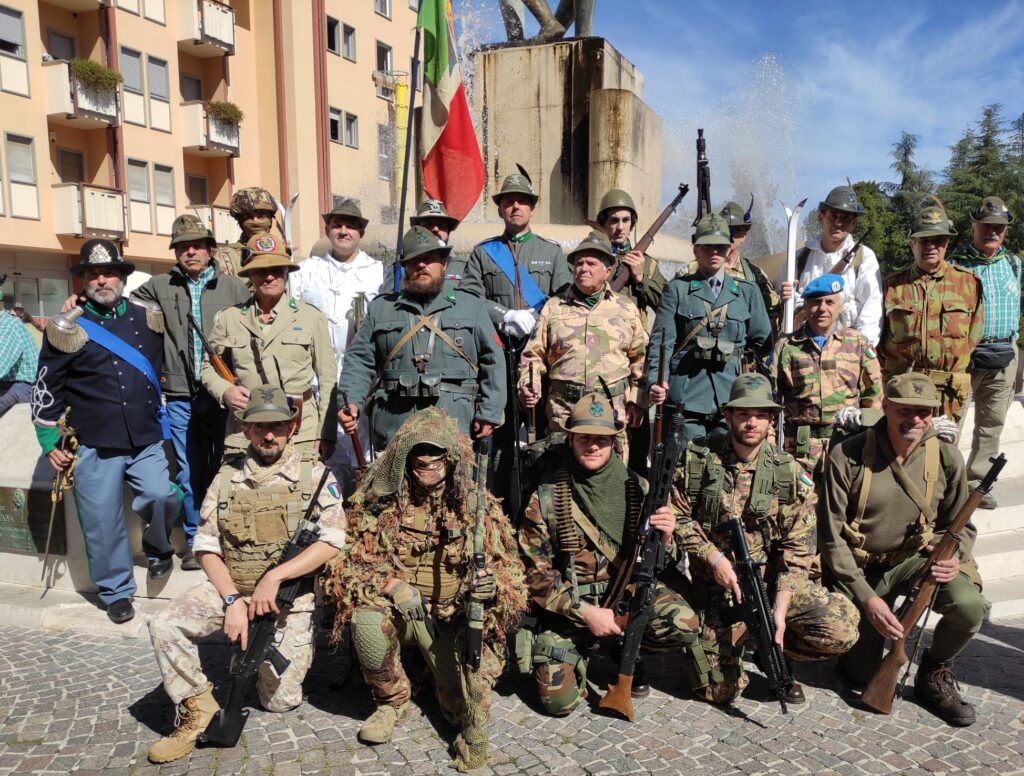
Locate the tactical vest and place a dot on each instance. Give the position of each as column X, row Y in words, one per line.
column 433, row 560
column 256, row 524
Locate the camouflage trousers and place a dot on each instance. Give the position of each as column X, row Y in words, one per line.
column 200, row 612
column 379, row 634
column 810, row 456
column 819, row 624
column 560, row 667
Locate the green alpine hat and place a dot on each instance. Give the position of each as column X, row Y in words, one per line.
column 912, row 388
column 842, row 198
column 433, row 208
column 263, row 251
column 615, row 199
column 598, row 243
column 751, row 391
column 992, row 210
column 251, row 199
column 347, row 207
column 594, row 415
column 712, row 229
column 420, row 240
column 187, row 228
column 932, row 221
column 734, row 213
column 516, row 183
column 267, row 404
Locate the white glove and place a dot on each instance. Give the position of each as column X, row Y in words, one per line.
column 945, row 428
column 519, row 323
column 848, row 419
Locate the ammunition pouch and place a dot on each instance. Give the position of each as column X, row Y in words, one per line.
column 523, row 651
column 804, row 434
column 714, row 350
column 412, row 385
column 573, row 392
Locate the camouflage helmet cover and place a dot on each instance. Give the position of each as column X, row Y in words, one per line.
column 247, row 201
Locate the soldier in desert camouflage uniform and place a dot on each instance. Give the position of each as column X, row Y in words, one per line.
column 251, row 510
column 934, row 315
column 821, row 369
column 408, row 575
column 580, row 519
column 586, row 335
column 742, row 476
column 254, row 210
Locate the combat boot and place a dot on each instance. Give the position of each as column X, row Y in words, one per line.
column 380, row 726
column 935, row 686
column 191, row 718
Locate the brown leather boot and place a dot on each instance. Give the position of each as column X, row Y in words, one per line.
column 936, row 687
column 193, row 715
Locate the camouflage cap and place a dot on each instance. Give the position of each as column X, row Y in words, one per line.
column 420, row 240
column 94, row 253
column 347, row 207
column 734, row 213
column 263, row 251
column 188, row 227
column 912, row 388
column 247, row 201
column 596, row 242
column 594, row 415
column 267, row 404
column 992, row 210
column 615, row 199
column 932, row 221
column 712, row 229
column 516, row 183
column 433, row 208
column 751, row 391
column 842, row 198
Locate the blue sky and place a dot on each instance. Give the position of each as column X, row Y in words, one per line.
column 814, row 92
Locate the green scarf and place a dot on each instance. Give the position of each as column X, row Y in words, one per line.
column 519, row 239
column 602, row 495
column 590, row 302
column 107, row 313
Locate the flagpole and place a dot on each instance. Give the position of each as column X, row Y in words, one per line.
column 413, row 80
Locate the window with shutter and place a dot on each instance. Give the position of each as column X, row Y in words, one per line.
column 138, row 180
column 12, row 32
column 163, row 184
column 131, row 70
column 156, row 75
column 21, row 162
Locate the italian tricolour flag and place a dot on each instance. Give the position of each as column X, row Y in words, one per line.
column 453, row 171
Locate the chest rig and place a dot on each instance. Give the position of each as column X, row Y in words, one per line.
column 433, row 554
column 255, row 524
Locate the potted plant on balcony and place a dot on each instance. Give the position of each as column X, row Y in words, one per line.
column 95, row 76
column 224, row 112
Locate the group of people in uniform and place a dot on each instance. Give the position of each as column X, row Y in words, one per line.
column 833, row 445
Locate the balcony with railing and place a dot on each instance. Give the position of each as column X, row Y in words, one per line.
column 206, row 28
column 205, row 135
column 84, row 210
column 71, row 101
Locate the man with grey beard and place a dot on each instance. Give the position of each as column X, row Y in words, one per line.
column 101, row 369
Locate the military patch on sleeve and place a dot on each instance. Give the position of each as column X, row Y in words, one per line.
column 870, row 352
column 334, row 489
column 805, row 478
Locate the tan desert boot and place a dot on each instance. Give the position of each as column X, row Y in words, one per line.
column 380, row 726
column 193, row 715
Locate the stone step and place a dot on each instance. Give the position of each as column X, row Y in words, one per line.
column 1000, row 555
column 1009, row 516
column 1006, row 596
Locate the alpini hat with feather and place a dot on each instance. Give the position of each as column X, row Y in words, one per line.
column 517, row 183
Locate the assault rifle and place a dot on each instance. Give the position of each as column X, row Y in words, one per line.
column 882, row 689
column 703, row 178
column 621, row 276
column 645, row 562
column 226, row 727
column 837, row 269
column 755, row 611
column 475, row 609
column 515, row 495
column 659, row 411
column 218, row 363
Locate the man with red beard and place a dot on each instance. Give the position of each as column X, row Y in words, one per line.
column 426, row 345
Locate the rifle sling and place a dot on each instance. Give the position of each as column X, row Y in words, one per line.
column 718, row 312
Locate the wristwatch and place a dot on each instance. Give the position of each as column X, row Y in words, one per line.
column 230, row 599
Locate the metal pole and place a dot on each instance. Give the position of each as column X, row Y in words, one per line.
column 413, row 80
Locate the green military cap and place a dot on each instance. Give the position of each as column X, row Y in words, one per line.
column 263, row 251
column 734, row 213
column 187, row 228
column 267, row 404
column 596, row 242
column 350, row 208
column 615, row 199
column 420, row 240
column 912, row 388
column 516, row 183
column 992, row 210
column 712, row 229
column 594, row 415
column 249, row 200
column 842, row 198
column 433, row 208
column 751, row 391
column 932, row 221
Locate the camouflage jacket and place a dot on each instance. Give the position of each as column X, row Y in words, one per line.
column 932, row 322
column 790, row 527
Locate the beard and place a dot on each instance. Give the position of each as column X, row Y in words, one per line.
column 268, row 457
column 425, row 286
column 108, row 296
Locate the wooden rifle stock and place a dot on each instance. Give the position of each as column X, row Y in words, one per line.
column 621, row 276
column 357, row 444
column 837, row 269
column 881, row 690
column 218, row 363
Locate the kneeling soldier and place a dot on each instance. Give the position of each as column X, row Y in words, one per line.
column 576, row 528
column 408, row 578
column 250, row 512
column 740, row 475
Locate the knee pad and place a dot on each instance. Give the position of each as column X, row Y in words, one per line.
column 368, row 637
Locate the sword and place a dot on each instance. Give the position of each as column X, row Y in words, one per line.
column 285, row 222
column 62, row 481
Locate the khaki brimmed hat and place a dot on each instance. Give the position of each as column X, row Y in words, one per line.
column 267, row 404
column 932, row 221
column 516, row 183
column 594, row 415
column 350, row 209
column 992, row 210
column 420, row 240
column 95, row 253
column 712, row 229
column 263, row 251
column 751, row 391
column 433, row 208
column 188, row 227
column 912, row 388
column 595, row 242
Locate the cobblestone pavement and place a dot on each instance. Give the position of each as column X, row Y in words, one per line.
column 82, row 702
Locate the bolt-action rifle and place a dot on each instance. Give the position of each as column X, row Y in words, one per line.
column 659, row 411
column 703, row 178
column 226, row 727
column 621, row 276
column 357, row 444
column 837, row 269
column 882, row 689
column 515, row 495
column 218, row 363
column 475, row 609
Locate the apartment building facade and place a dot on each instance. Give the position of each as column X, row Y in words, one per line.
column 118, row 115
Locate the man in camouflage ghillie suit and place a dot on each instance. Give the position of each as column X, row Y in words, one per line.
column 407, row 576
column 740, row 475
column 580, row 520
column 820, row 370
column 254, row 210
column 585, row 336
column 934, row 315
column 252, row 509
